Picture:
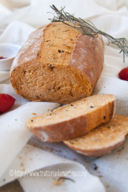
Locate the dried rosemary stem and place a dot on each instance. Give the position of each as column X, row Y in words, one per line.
column 88, row 28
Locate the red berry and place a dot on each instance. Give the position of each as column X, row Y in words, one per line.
column 6, row 102
column 1, row 57
column 124, row 74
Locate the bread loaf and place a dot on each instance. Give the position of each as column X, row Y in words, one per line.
column 103, row 139
column 73, row 120
column 58, row 64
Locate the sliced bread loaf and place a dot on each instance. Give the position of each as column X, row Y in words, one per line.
column 103, row 139
column 73, row 120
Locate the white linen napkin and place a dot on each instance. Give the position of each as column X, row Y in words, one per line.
column 110, row 16
column 114, row 170
column 14, row 134
column 49, row 168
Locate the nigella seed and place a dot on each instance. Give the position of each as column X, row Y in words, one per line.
column 71, row 93
column 62, row 105
column 47, row 40
column 51, row 66
column 104, row 117
column 72, row 105
column 95, row 166
column 91, row 106
column 60, row 51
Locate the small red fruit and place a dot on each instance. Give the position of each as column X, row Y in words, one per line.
column 124, row 74
column 1, row 57
column 6, row 102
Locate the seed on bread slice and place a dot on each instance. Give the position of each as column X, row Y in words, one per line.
column 103, row 139
column 73, row 120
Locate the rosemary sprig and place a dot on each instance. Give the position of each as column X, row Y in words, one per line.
column 66, row 178
column 87, row 28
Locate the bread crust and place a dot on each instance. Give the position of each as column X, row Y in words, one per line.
column 29, row 51
column 97, row 152
column 92, row 64
column 69, row 52
column 105, row 138
column 73, row 127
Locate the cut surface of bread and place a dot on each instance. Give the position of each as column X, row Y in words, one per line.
column 73, row 120
column 58, row 64
column 103, row 139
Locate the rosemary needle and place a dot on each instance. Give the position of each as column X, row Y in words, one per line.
column 88, row 28
column 66, row 178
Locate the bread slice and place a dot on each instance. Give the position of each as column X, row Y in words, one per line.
column 73, row 120
column 103, row 139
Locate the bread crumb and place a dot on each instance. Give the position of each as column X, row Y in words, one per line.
column 23, row 169
column 58, row 182
column 22, row 164
column 34, row 113
column 20, row 157
column 48, row 148
column 100, row 176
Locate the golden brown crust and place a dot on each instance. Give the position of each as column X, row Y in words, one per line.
column 96, row 152
column 52, row 127
column 103, row 139
column 92, row 63
column 29, row 51
column 58, row 64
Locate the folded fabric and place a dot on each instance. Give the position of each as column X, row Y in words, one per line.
column 114, row 168
column 4, row 76
column 16, row 33
column 52, row 173
column 14, row 134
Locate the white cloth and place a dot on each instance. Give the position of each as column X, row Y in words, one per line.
column 51, row 167
column 18, row 18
